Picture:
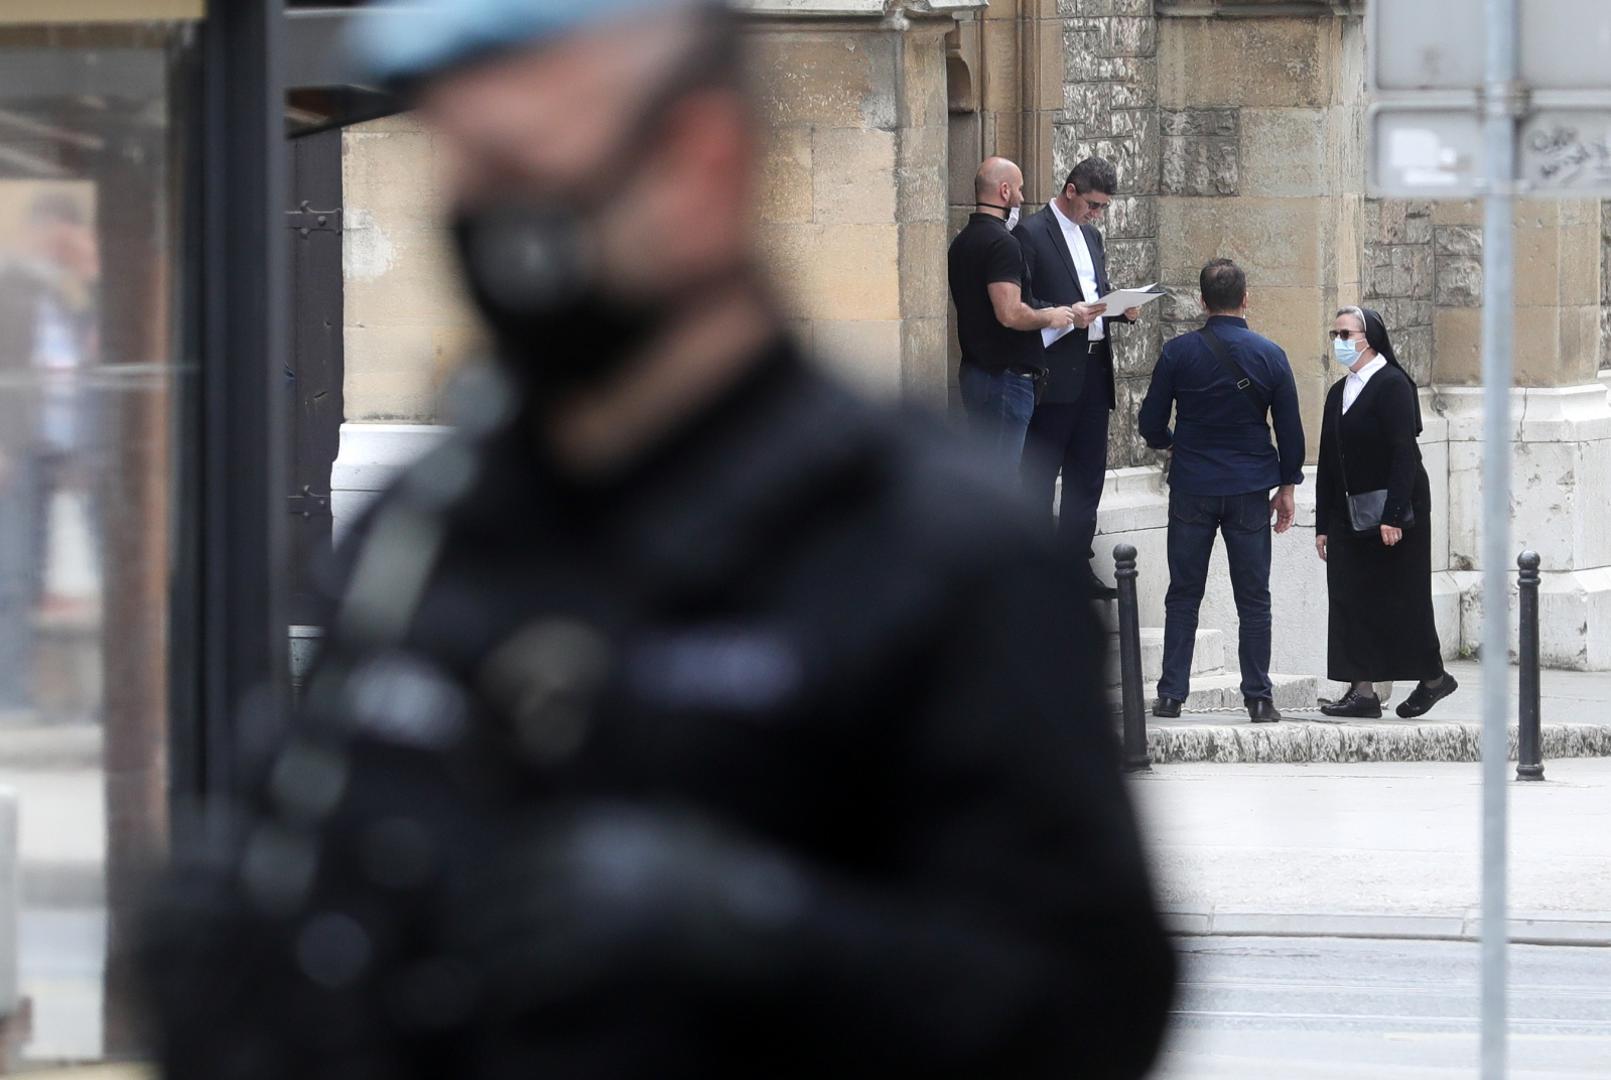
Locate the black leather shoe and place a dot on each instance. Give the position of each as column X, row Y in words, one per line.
column 1355, row 706
column 1097, row 589
column 1423, row 697
column 1166, row 707
column 1263, row 711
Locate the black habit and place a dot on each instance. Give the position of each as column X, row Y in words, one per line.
column 1381, row 627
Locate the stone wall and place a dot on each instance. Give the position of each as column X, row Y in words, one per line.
column 1110, row 109
column 854, row 193
column 1402, row 276
column 1559, row 287
column 408, row 325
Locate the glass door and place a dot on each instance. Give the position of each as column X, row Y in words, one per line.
column 92, row 361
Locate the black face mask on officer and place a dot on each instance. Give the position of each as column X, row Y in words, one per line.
column 535, row 267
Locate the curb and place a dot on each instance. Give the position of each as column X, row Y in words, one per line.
column 1531, row 929
column 1302, row 740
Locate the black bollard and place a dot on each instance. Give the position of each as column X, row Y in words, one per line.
column 1136, row 758
column 1529, row 734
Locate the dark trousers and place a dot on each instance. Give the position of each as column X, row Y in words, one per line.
column 1244, row 521
column 1072, row 439
column 998, row 405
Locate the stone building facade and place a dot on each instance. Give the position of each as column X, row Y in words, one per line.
column 1238, row 129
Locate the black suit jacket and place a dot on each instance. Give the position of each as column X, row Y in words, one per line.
column 1056, row 283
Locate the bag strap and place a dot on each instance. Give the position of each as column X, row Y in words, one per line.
column 1247, row 386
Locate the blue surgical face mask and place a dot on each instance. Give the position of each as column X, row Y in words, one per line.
column 1347, row 352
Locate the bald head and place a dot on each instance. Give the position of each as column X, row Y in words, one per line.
column 996, row 178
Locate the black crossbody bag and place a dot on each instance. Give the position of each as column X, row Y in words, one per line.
column 1250, row 390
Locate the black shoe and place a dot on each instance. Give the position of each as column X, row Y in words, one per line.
column 1423, row 697
column 1355, row 706
column 1097, row 589
column 1263, row 711
column 1166, row 707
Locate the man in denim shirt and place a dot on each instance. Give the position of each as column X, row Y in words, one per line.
column 1223, row 469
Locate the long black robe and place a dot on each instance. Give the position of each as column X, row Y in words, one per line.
column 1381, row 627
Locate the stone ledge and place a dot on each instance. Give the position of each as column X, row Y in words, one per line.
column 370, row 458
column 1303, row 741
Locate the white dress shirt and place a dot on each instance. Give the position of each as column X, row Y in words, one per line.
column 1355, row 383
column 1084, row 265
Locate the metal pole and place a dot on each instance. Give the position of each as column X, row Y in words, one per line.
column 1529, row 729
column 1503, row 104
column 1136, row 758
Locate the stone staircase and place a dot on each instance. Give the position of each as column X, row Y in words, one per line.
column 1216, row 684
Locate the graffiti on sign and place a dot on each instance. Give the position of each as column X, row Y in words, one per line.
column 1567, row 153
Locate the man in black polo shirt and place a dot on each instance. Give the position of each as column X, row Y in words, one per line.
column 998, row 323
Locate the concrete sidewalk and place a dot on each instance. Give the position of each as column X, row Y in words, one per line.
column 1384, row 850
column 1576, row 709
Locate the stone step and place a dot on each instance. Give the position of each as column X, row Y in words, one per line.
column 1206, row 659
column 1223, row 690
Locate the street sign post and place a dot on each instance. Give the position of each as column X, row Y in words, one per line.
column 1491, row 98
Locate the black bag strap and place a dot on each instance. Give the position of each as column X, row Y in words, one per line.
column 1247, row 386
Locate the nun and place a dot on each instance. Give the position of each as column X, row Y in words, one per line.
column 1373, row 529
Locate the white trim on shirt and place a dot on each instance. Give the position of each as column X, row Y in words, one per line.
column 1084, row 265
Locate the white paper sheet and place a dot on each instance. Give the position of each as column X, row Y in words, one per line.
column 1118, row 303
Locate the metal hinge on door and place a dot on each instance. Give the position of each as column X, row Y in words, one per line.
column 307, row 220
column 309, row 504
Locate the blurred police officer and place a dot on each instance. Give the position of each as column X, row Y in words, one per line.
column 998, row 320
column 685, row 716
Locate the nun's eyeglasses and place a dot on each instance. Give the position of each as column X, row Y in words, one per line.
column 1346, row 334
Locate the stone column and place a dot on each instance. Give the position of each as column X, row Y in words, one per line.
column 1562, row 422
column 1111, row 111
column 853, row 94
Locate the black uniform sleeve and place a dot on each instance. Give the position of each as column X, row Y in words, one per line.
column 1015, row 934
column 1030, row 844
column 1328, row 484
column 1396, row 408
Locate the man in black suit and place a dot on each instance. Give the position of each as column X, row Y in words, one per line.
column 1069, row 431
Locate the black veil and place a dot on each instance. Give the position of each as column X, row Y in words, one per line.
column 1376, row 337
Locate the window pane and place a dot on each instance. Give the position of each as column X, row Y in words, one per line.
column 88, row 414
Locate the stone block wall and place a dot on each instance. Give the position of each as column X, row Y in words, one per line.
column 855, row 194
column 1110, row 109
column 408, row 324
column 1559, row 289
column 1401, row 276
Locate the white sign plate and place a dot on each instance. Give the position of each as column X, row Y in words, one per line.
column 1420, row 45
column 1425, row 153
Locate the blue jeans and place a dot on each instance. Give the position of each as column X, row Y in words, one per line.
column 999, row 407
column 1244, row 521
